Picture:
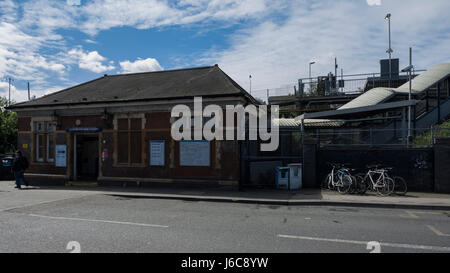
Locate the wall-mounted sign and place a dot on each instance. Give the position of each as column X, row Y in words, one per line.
column 61, row 156
column 157, row 153
column 84, row 129
column 24, row 146
column 194, row 153
column 105, row 155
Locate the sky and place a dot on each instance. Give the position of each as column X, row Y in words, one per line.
column 55, row 44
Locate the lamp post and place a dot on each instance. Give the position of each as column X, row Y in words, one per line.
column 310, row 79
column 409, row 69
column 389, row 50
column 250, row 79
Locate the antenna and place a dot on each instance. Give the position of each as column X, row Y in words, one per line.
column 28, row 90
column 9, row 79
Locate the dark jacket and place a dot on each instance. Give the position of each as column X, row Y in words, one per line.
column 20, row 164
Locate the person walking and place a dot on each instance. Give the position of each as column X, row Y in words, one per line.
column 20, row 164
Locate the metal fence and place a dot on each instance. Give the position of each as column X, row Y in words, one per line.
column 353, row 83
column 371, row 137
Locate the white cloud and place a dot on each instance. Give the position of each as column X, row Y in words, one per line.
column 374, row 2
column 274, row 40
column 140, row 65
column 21, row 94
column 144, row 14
column 16, row 94
column 277, row 53
column 91, row 61
column 8, row 11
column 19, row 55
column 73, row 2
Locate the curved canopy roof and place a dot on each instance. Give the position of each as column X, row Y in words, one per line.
column 371, row 97
column 426, row 79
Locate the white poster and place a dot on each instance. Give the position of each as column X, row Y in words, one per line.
column 195, row 153
column 61, row 156
column 156, row 153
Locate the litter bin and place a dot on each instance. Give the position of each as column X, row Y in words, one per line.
column 282, row 180
column 295, row 176
column 6, row 167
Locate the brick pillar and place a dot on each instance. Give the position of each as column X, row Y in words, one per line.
column 310, row 163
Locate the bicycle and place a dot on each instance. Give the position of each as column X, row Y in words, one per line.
column 400, row 187
column 383, row 184
column 339, row 178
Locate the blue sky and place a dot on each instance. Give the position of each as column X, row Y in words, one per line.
column 55, row 44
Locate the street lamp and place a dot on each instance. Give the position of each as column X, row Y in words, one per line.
column 310, row 79
column 389, row 50
column 409, row 69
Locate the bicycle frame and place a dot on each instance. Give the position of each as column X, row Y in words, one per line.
column 381, row 178
column 339, row 174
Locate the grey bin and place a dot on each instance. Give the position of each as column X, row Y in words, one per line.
column 282, row 181
column 295, row 176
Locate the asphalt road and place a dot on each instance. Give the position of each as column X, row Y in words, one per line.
column 46, row 221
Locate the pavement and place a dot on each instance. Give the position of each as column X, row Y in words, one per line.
column 304, row 197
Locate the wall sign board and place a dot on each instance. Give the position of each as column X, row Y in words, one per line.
column 195, row 153
column 61, row 156
column 157, row 153
column 84, row 129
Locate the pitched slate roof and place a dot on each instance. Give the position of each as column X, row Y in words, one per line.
column 208, row 81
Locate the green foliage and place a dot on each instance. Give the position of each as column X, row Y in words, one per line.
column 260, row 101
column 8, row 128
column 424, row 139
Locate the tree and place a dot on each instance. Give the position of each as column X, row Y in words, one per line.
column 8, row 128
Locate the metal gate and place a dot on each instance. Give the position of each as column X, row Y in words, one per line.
column 258, row 168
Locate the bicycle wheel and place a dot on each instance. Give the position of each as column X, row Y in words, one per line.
column 353, row 188
column 361, row 185
column 400, row 187
column 345, row 184
column 364, row 184
column 326, row 182
column 387, row 188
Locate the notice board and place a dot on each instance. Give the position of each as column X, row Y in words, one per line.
column 61, row 156
column 157, row 153
column 195, row 153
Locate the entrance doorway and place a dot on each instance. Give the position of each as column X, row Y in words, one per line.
column 86, row 157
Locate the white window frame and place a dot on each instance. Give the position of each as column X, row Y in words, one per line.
column 39, row 159
column 47, row 148
column 44, row 128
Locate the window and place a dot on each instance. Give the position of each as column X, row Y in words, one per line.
column 45, row 146
column 129, row 141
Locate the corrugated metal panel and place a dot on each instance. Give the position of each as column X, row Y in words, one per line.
column 371, row 97
column 290, row 122
column 426, row 79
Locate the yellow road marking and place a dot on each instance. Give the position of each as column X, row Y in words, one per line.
column 435, row 230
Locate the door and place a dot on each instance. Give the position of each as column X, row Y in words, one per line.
column 86, row 157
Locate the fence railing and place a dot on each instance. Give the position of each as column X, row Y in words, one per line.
column 419, row 137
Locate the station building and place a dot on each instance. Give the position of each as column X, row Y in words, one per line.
column 117, row 128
